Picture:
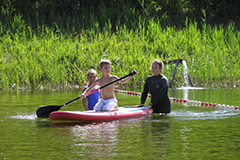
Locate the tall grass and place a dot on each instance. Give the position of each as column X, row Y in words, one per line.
column 49, row 58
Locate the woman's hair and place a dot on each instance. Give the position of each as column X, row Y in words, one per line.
column 159, row 62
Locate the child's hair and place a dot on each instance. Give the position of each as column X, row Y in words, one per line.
column 92, row 71
column 159, row 62
column 104, row 61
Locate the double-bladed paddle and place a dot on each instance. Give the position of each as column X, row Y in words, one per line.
column 44, row 112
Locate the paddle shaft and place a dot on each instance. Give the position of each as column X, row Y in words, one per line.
column 78, row 98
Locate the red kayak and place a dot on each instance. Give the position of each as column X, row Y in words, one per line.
column 122, row 113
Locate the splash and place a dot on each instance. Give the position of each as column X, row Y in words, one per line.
column 24, row 116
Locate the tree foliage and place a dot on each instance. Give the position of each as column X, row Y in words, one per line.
column 171, row 12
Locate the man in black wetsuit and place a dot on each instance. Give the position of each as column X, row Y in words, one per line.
column 157, row 85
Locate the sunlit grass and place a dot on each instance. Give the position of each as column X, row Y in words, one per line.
column 49, row 58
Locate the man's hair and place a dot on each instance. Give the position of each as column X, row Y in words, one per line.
column 159, row 62
column 104, row 61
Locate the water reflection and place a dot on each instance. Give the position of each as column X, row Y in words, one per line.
column 97, row 139
column 186, row 90
column 184, row 134
column 159, row 136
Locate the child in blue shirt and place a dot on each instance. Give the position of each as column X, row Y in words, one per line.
column 94, row 97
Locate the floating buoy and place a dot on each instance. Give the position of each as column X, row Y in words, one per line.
column 206, row 104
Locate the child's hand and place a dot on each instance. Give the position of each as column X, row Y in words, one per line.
column 140, row 105
column 82, row 96
column 135, row 73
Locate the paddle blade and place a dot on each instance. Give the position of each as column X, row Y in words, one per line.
column 44, row 112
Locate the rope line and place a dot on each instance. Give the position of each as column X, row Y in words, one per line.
column 178, row 100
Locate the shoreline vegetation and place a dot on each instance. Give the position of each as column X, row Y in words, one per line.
column 39, row 56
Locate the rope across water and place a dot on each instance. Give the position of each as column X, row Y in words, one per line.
column 178, row 100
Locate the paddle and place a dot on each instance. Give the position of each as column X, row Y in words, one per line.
column 45, row 111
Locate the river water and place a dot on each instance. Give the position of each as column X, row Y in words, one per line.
column 190, row 131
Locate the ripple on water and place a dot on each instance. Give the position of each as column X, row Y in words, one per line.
column 191, row 88
column 194, row 115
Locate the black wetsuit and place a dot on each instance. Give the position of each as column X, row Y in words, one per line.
column 158, row 88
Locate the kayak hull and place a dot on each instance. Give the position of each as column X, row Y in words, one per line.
column 122, row 113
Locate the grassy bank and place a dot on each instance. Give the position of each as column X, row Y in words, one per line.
column 52, row 60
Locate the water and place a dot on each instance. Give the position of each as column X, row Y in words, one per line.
column 185, row 73
column 188, row 132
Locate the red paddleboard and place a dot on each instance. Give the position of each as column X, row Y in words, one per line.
column 122, row 113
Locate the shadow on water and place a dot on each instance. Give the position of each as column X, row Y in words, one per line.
column 157, row 134
column 160, row 124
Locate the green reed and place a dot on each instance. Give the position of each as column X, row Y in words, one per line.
column 49, row 58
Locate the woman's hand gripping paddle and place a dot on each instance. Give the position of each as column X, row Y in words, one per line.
column 45, row 111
